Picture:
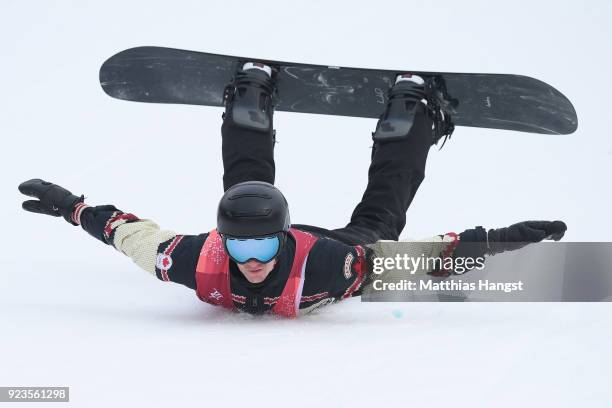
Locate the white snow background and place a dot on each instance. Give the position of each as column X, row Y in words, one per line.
column 76, row 313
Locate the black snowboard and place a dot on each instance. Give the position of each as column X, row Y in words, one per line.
column 498, row 101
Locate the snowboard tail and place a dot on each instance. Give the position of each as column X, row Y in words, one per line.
column 497, row 101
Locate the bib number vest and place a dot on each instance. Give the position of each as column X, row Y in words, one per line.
column 213, row 274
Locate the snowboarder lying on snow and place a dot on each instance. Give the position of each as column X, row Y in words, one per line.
column 255, row 260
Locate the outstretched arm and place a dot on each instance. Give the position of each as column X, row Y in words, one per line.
column 169, row 256
column 474, row 244
column 336, row 270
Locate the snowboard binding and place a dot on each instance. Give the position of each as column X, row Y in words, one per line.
column 403, row 99
column 439, row 103
column 250, row 97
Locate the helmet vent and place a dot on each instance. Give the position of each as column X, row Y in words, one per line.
column 249, row 195
column 264, row 212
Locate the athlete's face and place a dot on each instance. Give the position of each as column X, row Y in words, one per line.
column 255, row 271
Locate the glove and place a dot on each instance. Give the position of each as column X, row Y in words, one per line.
column 518, row 235
column 477, row 242
column 52, row 199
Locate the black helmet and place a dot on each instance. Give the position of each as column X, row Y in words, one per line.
column 252, row 209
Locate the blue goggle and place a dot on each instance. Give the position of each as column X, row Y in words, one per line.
column 263, row 249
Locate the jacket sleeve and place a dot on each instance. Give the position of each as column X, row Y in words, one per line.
column 170, row 256
column 334, row 271
column 437, row 249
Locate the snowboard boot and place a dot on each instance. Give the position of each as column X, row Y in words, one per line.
column 404, row 98
column 250, row 97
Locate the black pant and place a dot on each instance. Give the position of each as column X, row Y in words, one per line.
column 396, row 172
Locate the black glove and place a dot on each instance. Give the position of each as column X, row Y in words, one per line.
column 52, row 199
column 518, row 235
column 478, row 242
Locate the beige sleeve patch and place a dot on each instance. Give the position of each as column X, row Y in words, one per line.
column 427, row 248
column 140, row 240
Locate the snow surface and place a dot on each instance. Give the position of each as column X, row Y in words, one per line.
column 76, row 313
